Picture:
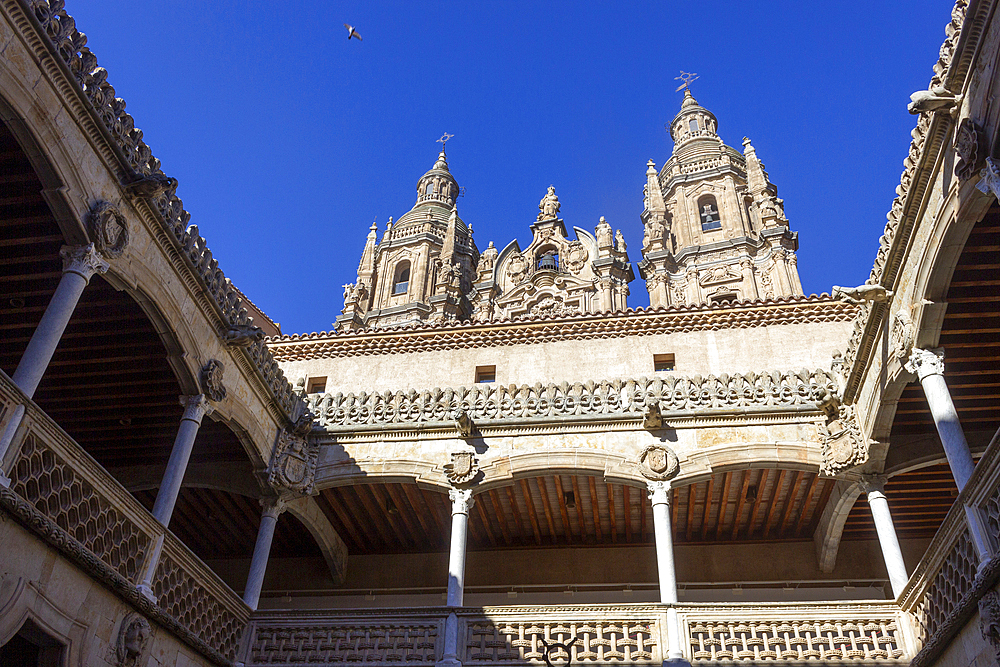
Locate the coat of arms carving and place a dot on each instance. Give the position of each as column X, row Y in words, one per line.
column 576, row 257
column 842, row 445
column 517, row 267
column 658, row 463
column 108, row 230
column 293, row 463
column 462, row 469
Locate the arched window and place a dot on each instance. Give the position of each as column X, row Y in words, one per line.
column 429, row 190
column 548, row 260
column 709, row 212
column 402, row 282
column 693, row 125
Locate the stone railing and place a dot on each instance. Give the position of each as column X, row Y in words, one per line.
column 64, row 496
column 617, row 399
column 603, row 634
column 944, row 589
column 70, row 46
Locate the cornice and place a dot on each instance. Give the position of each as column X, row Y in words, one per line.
column 534, row 329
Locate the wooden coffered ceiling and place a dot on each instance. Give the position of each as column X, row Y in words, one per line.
column 578, row 510
column 109, row 384
column 970, row 337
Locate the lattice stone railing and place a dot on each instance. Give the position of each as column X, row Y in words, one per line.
column 604, row 634
column 71, row 47
column 940, row 592
column 62, row 494
column 675, row 395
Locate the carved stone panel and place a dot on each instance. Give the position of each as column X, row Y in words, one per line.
column 462, row 469
column 842, row 445
column 969, row 147
column 211, row 380
column 133, row 635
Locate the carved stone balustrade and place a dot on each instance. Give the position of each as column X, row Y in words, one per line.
column 605, row 634
column 676, row 396
column 67, row 499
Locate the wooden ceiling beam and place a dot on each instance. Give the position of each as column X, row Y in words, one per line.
column 804, row 509
column 595, row 510
column 543, row 495
column 689, row 521
column 500, row 516
column 613, row 521
column 727, row 478
column 581, row 515
column 761, row 488
column 709, row 498
column 408, row 491
column 627, row 511
column 516, row 513
column 563, row 510
column 740, row 502
column 790, row 498
column 481, row 509
column 407, row 513
column 532, row 515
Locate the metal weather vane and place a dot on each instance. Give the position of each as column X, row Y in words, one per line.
column 687, row 78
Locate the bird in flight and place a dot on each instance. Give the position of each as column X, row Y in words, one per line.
column 351, row 32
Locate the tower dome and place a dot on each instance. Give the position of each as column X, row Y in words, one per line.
column 437, row 185
column 692, row 123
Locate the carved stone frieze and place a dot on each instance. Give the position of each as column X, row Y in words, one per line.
column 108, row 229
column 658, row 463
column 293, row 464
column 462, row 469
column 842, row 445
column 969, row 142
column 212, row 380
column 719, row 274
column 133, row 635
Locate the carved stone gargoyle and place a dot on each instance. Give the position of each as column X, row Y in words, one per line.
column 861, row 293
column 937, row 98
column 242, row 335
column 463, row 422
column 651, row 417
column 150, row 186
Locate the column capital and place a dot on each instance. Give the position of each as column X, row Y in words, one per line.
column 273, row 506
column 83, row 260
column 659, row 491
column 461, row 500
column 873, row 485
column 926, row 362
column 195, row 407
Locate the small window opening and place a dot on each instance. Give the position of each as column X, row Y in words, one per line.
column 430, row 189
column 486, row 374
column 725, row 297
column 709, row 214
column 31, row 646
column 316, row 385
column 402, row 282
column 663, row 362
column 693, row 125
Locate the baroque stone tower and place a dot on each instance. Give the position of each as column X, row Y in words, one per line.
column 422, row 268
column 715, row 229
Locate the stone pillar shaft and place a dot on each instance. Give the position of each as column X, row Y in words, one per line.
column 195, row 408
column 879, row 506
column 659, row 496
column 273, row 507
column 461, row 502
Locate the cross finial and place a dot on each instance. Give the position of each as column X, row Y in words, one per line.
column 444, row 140
column 687, row 78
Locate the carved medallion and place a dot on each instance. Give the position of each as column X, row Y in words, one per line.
column 108, row 229
column 842, row 446
column 293, row 463
column 658, row 463
column 133, row 635
column 968, row 146
column 576, row 257
column 462, row 469
column 211, row 380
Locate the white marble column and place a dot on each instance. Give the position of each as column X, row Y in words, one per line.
column 273, row 507
column 659, row 496
column 873, row 486
column 461, row 503
column 80, row 263
column 195, row 408
column 929, row 368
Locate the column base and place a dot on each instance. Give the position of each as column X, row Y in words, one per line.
column 676, row 662
column 449, row 662
column 146, row 592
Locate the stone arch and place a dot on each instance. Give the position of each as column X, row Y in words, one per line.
column 24, row 609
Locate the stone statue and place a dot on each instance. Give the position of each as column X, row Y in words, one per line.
column 549, row 206
column 488, row 259
column 132, row 637
column 603, row 232
column 862, row 293
column 620, row 241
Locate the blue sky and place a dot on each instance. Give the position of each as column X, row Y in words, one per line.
column 288, row 140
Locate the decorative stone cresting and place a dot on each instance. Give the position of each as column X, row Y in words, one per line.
column 772, row 641
column 147, row 179
column 43, row 479
column 325, row 644
column 615, row 398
